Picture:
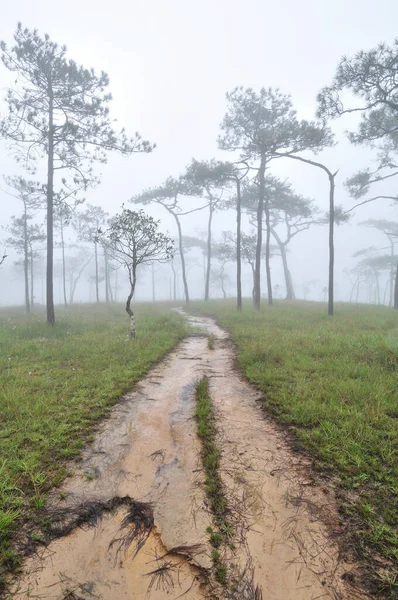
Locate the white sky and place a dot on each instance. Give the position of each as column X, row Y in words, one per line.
column 170, row 65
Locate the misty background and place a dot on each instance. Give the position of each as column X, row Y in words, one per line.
column 170, row 65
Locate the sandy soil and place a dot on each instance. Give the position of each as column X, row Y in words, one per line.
column 285, row 526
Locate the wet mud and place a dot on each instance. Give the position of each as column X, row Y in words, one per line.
column 285, row 526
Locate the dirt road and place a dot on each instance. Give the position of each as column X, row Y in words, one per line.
column 142, row 478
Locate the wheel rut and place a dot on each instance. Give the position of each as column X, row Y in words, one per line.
column 148, row 451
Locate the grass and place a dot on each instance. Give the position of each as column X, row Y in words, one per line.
column 334, row 382
column 55, row 384
column 207, row 432
column 210, row 341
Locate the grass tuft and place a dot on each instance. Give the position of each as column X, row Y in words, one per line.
column 207, row 432
column 210, row 341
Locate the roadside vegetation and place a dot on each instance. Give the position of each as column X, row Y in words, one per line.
column 334, row 382
column 207, row 432
column 55, row 384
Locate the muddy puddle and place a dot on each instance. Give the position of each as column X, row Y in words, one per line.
column 152, row 544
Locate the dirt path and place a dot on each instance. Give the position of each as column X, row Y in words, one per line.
column 147, row 452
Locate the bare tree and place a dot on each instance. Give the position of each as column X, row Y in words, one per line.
column 133, row 239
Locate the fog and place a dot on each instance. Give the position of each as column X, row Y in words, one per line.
column 170, row 66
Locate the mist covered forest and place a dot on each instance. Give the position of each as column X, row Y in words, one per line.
column 237, row 223
column 227, row 176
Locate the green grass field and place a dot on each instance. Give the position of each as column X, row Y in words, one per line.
column 55, row 384
column 334, row 381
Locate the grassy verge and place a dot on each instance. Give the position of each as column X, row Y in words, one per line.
column 214, row 488
column 334, row 381
column 55, row 384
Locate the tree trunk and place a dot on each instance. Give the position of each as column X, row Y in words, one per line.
column 352, row 291
column 26, row 260
column 357, row 294
column 75, row 282
column 208, row 266
column 254, row 280
column 181, row 249
column 96, row 272
column 63, row 261
column 128, row 304
column 32, row 296
column 238, row 246
column 290, row 295
column 377, row 288
column 331, row 177
column 174, row 280
column 386, row 288
column 222, row 282
column 392, row 272
column 50, row 214
column 260, row 209
column 396, row 289
column 268, row 251
column 331, row 245
column 153, row 283
column 106, row 276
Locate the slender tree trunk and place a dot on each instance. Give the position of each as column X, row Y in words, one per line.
column 260, row 209
column 132, row 277
column 174, row 280
column 357, row 294
column 110, row 292
column 32, row 295
column 63, row 261
column 222, row 282
column 26, row 259
column 331, row 245
column 208, row 266
column 396, row 289
column 181, row 249
column 238, row 246
column 50, row 213
column 392, row 273
column 268, row 251
column 377, row 288
column 106, row 276
column 385, row 292
column 153, row 283
column 331, row 177
column 352, row 291
column 96, row 273
column 254, row 280
column 75, row 282
column 290, row 295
